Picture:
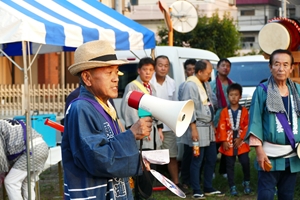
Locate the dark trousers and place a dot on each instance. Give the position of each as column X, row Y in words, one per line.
column 186, row 163
column 245, row 162
column 222, row 166
column 284, row 180
column 144, row 184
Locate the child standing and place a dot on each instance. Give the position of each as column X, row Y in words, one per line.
column 232, row 128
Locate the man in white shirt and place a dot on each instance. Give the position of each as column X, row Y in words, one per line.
column 165, row 88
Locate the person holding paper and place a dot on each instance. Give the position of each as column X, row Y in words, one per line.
column 165, row 89
column 274, row 129
column 98, row 157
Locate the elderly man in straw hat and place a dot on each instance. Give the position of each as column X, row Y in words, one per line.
column 97, row 157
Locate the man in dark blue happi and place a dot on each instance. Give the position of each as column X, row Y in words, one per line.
column 97, row 156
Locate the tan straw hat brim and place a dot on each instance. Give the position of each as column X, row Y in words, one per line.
column 82, row 66
column 94, row 54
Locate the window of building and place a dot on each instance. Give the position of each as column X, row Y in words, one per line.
column 291, row 12
column 247, row 42
column 248, row 39
column 247, row 12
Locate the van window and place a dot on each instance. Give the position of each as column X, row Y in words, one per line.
column 130, row 74
column 249, row 73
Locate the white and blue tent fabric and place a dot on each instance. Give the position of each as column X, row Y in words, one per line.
column 63, row 25
column 44, row 26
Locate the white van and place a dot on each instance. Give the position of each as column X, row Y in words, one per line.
column 176, row 55
column 249, row 71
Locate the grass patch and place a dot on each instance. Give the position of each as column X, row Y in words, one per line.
column 49, row 184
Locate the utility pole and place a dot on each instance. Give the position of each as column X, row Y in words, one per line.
column 283, row 6
column 118, row 6
column 166, row 11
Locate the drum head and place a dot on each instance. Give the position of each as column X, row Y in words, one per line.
column 298, row 151
column 273, row 36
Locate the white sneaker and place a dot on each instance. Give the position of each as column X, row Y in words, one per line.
column 198, row 196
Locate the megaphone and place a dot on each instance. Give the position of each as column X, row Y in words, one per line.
column 175, row 114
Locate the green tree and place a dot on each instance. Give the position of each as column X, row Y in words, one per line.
column 214, row 34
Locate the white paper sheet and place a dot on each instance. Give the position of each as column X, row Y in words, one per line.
column 160, row 157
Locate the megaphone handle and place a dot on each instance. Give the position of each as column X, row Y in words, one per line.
column 143, row 113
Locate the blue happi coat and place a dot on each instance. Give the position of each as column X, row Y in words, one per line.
column 96, row 162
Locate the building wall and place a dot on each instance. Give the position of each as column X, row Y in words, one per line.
column 10, row 74
column 48, row 69
column 6, row 69
column 250, row 23
column 251, row 2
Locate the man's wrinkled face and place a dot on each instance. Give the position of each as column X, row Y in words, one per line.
column 281, row 67
column 102, row 81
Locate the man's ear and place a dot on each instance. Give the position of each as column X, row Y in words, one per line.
column 292, row 67
column 270, row 66
column 86, row 78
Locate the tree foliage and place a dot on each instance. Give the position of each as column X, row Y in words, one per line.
column 214, row 34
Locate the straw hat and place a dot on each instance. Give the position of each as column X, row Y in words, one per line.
column 98, row 53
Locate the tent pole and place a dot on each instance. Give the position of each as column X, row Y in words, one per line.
column 27, row 116
column 11, row 60
column 62, row 67
column 152, row 54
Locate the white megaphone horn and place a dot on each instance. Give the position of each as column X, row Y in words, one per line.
column 175, row 114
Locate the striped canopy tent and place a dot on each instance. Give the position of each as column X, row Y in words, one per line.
column 62, row 25
column 43, row 26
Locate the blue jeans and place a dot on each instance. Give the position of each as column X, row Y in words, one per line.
column 209, row 154
column 284, row 180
